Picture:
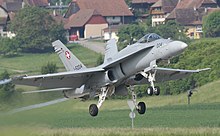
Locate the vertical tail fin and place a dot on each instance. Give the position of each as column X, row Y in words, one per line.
column 111, row 50
column 70, row 61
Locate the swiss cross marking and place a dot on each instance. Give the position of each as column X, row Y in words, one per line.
column 67, row 55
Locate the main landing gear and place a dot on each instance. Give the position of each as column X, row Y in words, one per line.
column 93, row 108
column 140, row 107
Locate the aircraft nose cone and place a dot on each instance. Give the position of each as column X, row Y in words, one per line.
column 183, row 45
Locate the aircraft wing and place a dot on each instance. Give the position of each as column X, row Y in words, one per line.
column 166, row 74
column 71, row 79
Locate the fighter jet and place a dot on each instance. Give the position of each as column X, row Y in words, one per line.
column 121, row 71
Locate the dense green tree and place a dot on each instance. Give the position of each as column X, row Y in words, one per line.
column 8, row 47
column 35, row 29
column 171, row 29
column 49, row 68
column 128, row 2
column 129, row 34
column 211, row 25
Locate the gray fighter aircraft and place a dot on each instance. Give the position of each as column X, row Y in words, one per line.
column 121, row 70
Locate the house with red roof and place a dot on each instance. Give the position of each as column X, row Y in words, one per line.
column 88, row 18
column 161, row 10
column 189, row 13
column 87, row 23
column 114, row 11
column 142, row 5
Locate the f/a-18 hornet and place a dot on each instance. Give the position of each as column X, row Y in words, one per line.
column 134, row 65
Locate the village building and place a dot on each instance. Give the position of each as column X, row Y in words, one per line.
column 161, row 10
column 114, row 11
column 87, row 23
column 87, row 19
column 142, row 5
column 189, row 13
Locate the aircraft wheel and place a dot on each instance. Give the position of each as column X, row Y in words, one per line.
column 93, row 110
column 141, row 108
column 157, row 90
column 150, row 91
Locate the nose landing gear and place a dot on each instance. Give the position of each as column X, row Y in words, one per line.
column 151, row 78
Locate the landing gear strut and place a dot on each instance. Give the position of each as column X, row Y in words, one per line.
column 140, row 107
column 93, row 108
column 151, row 78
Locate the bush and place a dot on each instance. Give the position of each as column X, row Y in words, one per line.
column 49, row 68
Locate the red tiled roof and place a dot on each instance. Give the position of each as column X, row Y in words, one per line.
column 144, row 1
column 41, row 3
column 193, row 3
column 166, row 5
column 183, row 4
column 106, row 7
column 13, row 6
column 1, row 2
column 80, row 18
column 189, row 16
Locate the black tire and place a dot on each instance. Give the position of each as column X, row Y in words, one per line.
column 157, row 90
column 141, row 108
column 93, row 110
column 150, row 91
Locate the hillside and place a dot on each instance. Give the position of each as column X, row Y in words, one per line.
column 32, row 63
column 200, row 54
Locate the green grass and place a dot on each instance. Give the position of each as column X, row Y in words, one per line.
column 166, row 116
column 32, row 63
column 69, row 115
column 42, row 131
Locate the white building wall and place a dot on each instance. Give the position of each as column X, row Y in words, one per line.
column 94, row 30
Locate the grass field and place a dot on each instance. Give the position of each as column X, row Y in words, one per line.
column 32, row 63
column 166, row 116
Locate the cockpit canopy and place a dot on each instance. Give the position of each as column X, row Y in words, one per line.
column 149, row 38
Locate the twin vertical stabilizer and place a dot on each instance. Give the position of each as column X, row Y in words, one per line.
column 70, row 61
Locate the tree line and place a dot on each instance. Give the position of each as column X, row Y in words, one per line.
column 35, row 29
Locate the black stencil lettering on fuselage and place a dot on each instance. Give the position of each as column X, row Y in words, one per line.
column 77, row 67
column 159, row 45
